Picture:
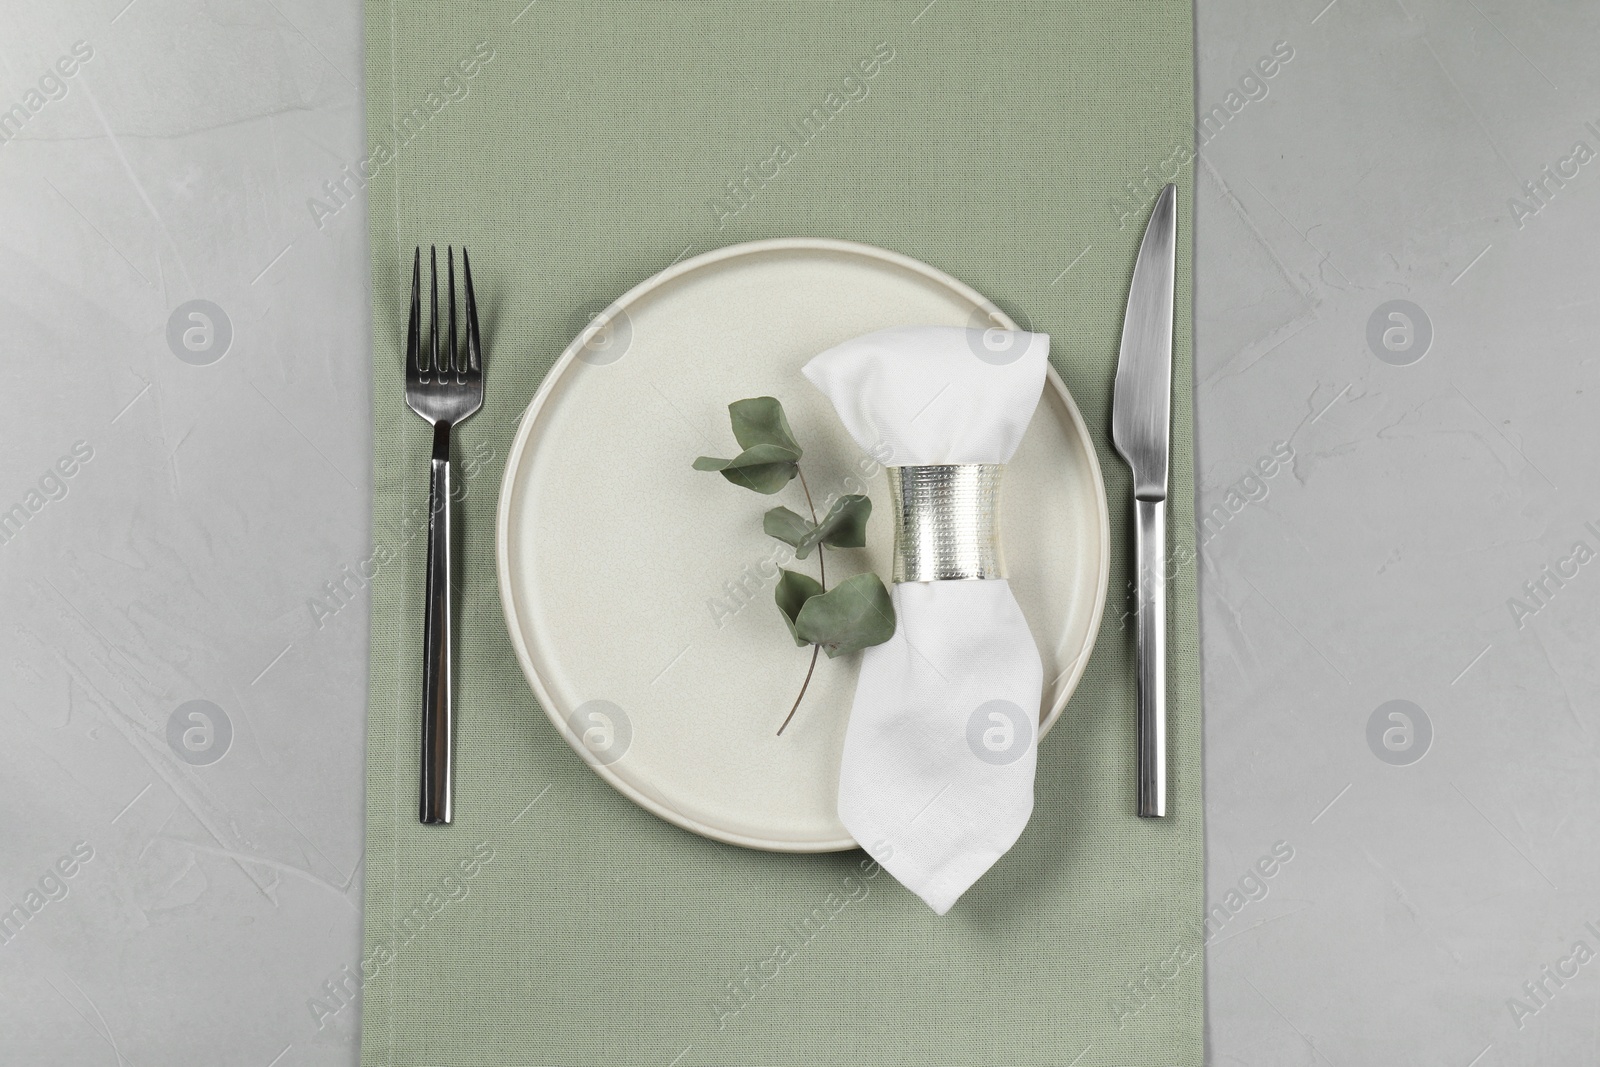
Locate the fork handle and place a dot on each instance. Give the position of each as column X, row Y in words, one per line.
column 438, row 643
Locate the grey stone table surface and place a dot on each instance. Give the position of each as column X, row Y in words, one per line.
column 1397, row 395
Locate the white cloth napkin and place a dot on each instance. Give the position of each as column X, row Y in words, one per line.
column 937, row 775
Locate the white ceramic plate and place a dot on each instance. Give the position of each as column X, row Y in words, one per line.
column 638, row 591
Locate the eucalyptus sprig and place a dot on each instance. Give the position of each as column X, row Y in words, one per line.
column 852, row 615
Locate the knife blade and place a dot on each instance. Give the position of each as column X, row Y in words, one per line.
column 1141, row 430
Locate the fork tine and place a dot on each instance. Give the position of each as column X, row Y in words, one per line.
column 414, row 331
column 455, row 362
column 474, row 351
column 433, row 320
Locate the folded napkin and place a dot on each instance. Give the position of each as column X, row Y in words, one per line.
column 937, row 774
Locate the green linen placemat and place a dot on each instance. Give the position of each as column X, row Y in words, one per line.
column 578, row 148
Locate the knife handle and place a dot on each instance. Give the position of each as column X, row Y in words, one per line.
column 1151, row 545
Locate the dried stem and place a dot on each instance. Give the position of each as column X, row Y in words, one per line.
column 814, row 650
column 822, row 566
column 822, row 575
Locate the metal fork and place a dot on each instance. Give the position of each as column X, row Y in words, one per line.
column 444, row 388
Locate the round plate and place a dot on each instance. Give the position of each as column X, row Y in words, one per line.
column 638, row 591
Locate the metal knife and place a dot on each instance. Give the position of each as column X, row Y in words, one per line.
column 1141, row 429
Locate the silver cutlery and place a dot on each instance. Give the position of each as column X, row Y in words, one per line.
column 446, row 388
column 1141, row 429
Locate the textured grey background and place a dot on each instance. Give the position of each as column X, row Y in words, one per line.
column 182, row 561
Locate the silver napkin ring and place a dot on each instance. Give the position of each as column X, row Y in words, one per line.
column 946, row 522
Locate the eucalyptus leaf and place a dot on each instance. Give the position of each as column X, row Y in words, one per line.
column 786, row 526
column 851, row 616
column 766, row 468
column 793, row 590
column 844, row 526
column 761, row 421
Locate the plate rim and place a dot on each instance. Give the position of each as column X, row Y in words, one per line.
column 547, row 384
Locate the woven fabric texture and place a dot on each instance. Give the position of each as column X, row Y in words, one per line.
column 577, row 149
